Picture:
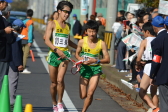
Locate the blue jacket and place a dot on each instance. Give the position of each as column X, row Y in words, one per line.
column 17, row 56
column 77, row 28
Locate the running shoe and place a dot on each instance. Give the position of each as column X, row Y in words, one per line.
column 122, row 70
column 137, row 89
column 60, row 107
column 156, row 109
column 150, row 110
column 55, row 109
column 26, row 71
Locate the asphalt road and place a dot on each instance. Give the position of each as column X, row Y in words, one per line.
column 34, row 87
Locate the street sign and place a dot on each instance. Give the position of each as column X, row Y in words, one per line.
column 84, row 7
column 163, row 6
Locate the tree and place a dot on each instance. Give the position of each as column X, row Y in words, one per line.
column 149, row 3
column 19, row 5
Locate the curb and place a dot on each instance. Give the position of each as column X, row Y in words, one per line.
column 114, row 77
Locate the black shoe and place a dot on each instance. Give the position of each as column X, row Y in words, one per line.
column 133, row 81
column 11, row 106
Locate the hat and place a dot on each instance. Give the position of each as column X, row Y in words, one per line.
column 74, row 15
column 166, row 20
column 158, row 21
column 132, row 12
column 18, row 22
column 99, row 15
column 9, row 1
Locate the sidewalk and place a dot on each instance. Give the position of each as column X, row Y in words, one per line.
column 114, row 77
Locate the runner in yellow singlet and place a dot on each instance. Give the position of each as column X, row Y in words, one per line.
column 58, row 45
column 89, row 49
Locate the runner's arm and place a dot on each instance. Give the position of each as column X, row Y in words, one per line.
column 139, row 56
column 106, row 57
column 45, row 32
column 79, row 49
column 73, row 45
column 48, row 34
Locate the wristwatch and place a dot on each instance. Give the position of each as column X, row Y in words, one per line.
column 55, row 50
column 98, row 61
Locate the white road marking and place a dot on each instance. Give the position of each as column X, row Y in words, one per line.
column 66, row 99
column 36, row 47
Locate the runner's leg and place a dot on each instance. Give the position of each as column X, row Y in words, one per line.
column 60, row 80
column 83, row 83
column 145, row 82
column 53, row 87
column 92, row 87
column 154, row 95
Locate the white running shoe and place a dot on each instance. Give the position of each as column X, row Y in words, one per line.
column 55, row 109
column 150, row 110
column 60, row 107
column 123, row 71
column 25, row 71
column 128, row 75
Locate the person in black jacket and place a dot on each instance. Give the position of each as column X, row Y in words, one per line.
column 3, row 29
column 159, row 64
column 4, row 40
column 16, row 65
column 77, row 27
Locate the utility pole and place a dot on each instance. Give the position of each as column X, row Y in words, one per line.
column 111, row 17
column 92, row 7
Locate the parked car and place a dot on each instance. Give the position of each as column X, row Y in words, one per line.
column 17, row 15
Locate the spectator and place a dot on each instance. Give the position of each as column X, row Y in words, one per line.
column 97, row 19
column 118, row 38
column 92, row 17
column 121, row 49
column 46, row 19
column 77, row 27
column 154, row 12
column 159, row 63
column 147, row 18
column 28, row 40
column 101, row 31
column 103, row 20
column 121, row 13
column 4, row 41
column 85, row 21
column 139, row 14
column 16, row 65
column 130, row 15
column 54, row 16
column 116, row 25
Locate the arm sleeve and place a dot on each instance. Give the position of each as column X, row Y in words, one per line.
column 30, row 34
column 157, row 51
column 17, row 55
column 2, row 32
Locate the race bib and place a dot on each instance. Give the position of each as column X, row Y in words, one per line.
column 60, row 40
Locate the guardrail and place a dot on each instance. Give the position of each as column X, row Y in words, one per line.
column 108, row 38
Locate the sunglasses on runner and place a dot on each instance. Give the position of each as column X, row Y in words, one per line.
column 65, row 11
